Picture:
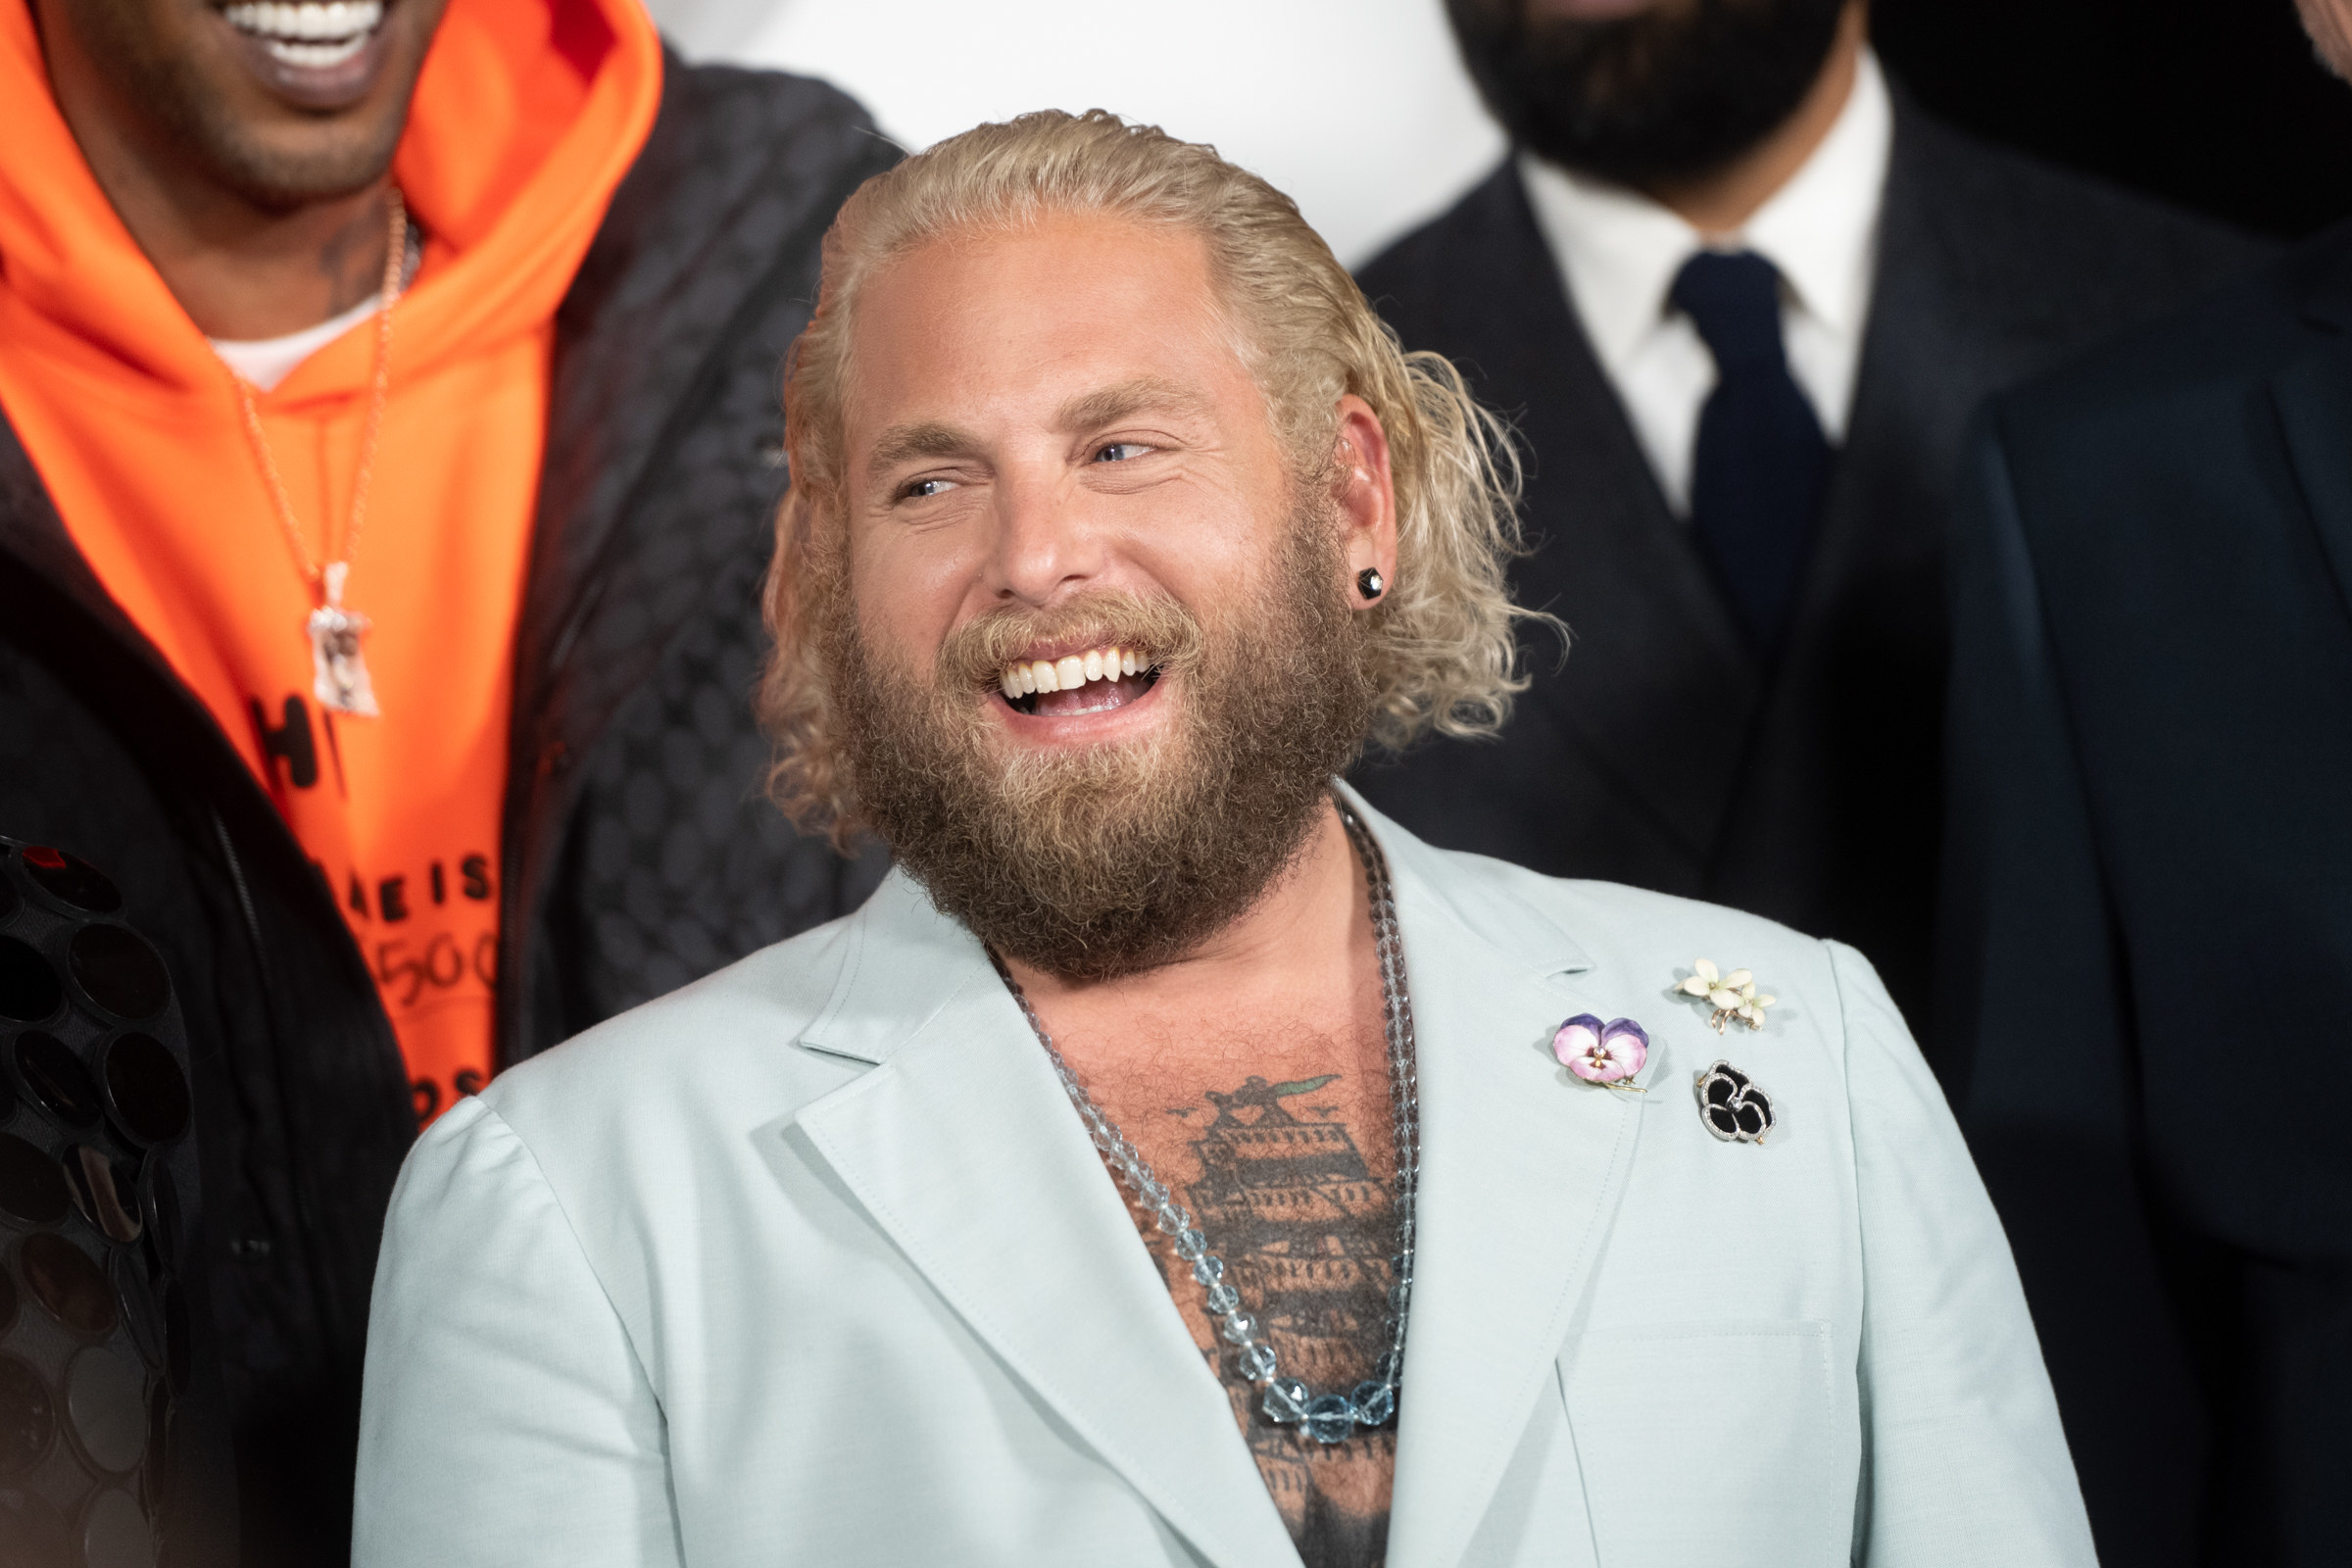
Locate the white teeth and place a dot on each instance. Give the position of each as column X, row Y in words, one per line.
column 310, row 33
column 314, row 56
column 1072, row 670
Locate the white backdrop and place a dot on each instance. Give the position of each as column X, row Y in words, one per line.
column 1359, row 109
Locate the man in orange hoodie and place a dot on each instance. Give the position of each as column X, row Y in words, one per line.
column 388, row 453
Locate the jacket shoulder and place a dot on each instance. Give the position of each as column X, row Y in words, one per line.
column 1608, row 925
column 1421, row 278
column 2083, row 244
column 1643, row 930
column 745, row 107
column 733, row 149
column 2136, row 473
column 2226, row 340
column 1626, row 950
column 727, row 1039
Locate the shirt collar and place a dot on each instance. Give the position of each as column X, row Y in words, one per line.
column 1620, row 250
column 1821, row 228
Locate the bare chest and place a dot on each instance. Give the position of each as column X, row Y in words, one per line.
column 1284, row 1156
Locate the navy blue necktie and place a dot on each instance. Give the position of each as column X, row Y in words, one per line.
column 1761, row 461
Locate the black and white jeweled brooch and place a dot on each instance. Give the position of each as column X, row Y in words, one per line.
column 1732, row 1104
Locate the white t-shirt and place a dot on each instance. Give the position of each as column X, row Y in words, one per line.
column 266, row 361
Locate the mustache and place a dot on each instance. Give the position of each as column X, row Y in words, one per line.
column 976, row 652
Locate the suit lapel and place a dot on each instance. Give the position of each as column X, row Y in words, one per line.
column 1653, row 640
column 1522, row 1169
column 962, row 1148
column 2313, row 395
column 33, row 533
column 1834, row 830
column 1938, row 338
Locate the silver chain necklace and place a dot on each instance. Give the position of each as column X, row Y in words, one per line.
column 1326, row 1417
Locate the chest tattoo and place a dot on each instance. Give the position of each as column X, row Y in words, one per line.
column 1279, row 1179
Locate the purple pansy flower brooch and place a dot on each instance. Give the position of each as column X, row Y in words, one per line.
column 1605, row 1054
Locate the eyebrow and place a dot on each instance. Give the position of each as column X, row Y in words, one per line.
column 1089, row 410
column 1092, row 410
column 929, row 439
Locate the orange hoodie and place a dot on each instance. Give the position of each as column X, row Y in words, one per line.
column 526, row 115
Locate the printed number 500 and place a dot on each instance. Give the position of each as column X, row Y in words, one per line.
column 442, row 965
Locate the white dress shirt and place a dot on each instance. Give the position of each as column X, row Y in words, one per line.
column 1619, row 251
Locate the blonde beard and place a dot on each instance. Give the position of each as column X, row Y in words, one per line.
column 1115, row 858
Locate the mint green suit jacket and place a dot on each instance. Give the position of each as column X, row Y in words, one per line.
column 811, row 1263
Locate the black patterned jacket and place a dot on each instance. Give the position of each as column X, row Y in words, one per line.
column 637, row 851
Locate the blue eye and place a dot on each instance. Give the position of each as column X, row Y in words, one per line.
column 1121, row 452
column 923, row 489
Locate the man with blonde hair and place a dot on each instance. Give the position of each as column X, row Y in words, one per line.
column 1176, row 1162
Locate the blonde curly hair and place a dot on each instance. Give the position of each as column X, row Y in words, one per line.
column 1441, row 650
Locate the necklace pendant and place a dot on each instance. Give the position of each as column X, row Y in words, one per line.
column 338, row 668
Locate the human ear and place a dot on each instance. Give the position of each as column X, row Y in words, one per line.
column 1365, row 492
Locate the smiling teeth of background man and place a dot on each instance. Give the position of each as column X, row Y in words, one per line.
column 310, row 35
column 1070, row 671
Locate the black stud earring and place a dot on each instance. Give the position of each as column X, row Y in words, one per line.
column 1369, row 584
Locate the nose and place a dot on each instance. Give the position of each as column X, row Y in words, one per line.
column 1048, row 545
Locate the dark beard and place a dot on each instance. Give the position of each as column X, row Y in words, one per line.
column 1670, row 94
column 1109, row 861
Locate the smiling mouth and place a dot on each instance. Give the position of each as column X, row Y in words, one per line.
column 1092, row 682
column 310, row 35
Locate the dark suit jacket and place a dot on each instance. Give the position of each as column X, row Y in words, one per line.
column 2146, row 994
column 1663, row 752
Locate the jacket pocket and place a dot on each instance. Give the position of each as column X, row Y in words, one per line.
column 1710, row 1443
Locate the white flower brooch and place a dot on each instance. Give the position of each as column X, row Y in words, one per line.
column 1733, row 995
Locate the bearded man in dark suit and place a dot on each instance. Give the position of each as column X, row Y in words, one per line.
column 1739, row 295
column 2147, row 935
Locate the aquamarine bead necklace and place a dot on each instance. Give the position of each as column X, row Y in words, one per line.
column 1330, row 1416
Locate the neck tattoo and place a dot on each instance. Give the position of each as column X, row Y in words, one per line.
column 338, row 669
column 1330, row 1416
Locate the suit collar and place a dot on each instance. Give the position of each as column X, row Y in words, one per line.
column 906, row 960
column 2320, row 274
column 2312, row 395
column 962, row 1148
column 32, row 532
column 1507, row 1136
column 1514, row 934
column 1620, row 250
column 1647, row 621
